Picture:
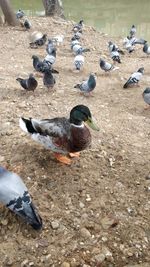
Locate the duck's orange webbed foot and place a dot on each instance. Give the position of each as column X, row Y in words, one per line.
column 74, row 155
column 63, row 159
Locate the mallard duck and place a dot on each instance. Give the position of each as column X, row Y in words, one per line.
column 65, row 137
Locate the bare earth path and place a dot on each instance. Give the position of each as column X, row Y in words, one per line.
column 96, row 212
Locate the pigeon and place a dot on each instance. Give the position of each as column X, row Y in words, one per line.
column 20, row 14
column 104, row 65
column 27, row 24
column 146, row 96
column 50, row 46
column 79, row 61
column 74, row 41
column 135, row 78
column 38, row 64
column 133, row 31
column 128, row 45
column 78, row 27
column 48, row 79
column 115, row 55
column 88, row 85
column 146, row 49
column 29, row 84
column 78, row 49
column 112, row 46
column 134, row 40
column 39, row 42
column 50, row 58
column 15, row 196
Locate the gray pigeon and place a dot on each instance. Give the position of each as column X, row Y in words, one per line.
column 20, row 14
column 146, row 49
column 79, row 61
column 115, row 55
column 50, row 46
column 112, row 46
column 133, row 31
column 78, row 27
column 50, row 58
column 29, row 84
column 104, row 65
column 48, row 78
column 88, row 85
column 135, row 78
column 146, row 96
column 14, row 195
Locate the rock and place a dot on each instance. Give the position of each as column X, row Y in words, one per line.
column 147, row 177
column 85, row 233
column 99, row 258
column 55, row 225
column 25, row 263
column 65, row 264
column 108, row 222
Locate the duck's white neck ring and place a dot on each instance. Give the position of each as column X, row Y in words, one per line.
column 77, row 126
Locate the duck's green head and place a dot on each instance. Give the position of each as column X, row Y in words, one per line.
column 81, row 113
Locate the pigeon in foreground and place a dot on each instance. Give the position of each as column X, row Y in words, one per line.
column 88, row 85
column 135, row 78
column 115, row 55
column 14, row 195
column 146, row 96
column 20, row 14
column 48, row 79
column 29, row 84
column 79, row 61
column 106, row 66
column 146, row 49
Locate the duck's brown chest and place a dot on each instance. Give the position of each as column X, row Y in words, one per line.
column 80, row 138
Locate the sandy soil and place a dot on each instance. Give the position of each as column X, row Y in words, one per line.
column 96, row 211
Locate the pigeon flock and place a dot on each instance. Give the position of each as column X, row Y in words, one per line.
column 64, row 137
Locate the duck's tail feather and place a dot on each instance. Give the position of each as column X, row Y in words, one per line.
column 26, row 125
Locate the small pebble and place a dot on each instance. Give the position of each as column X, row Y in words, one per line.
column 55, row 225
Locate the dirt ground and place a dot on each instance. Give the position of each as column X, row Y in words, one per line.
column 96, row 212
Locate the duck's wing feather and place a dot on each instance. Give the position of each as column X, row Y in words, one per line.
column 57, row 127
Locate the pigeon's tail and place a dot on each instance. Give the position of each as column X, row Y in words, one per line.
column 86, row 50
column 55, row 71
column 115, row 68
column 121, row 52
column 19, row 80
column 126, row 84
column 35, row 220
column 117, row 59
column 29, row 213
column 77, row 86
column 26, row 126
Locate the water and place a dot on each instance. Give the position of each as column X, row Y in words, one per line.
column 113, row 17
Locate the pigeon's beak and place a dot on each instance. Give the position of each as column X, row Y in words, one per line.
column 91, row 124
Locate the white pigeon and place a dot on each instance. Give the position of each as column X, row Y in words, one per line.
column 79, row 61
